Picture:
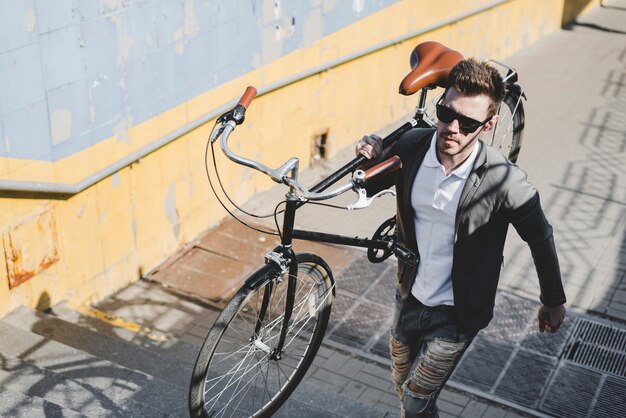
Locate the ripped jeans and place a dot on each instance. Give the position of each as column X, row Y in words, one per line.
column 425, row 346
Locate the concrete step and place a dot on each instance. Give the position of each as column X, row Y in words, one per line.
column 17, row 405
column 103, row 346
column 170, row 349
column 79, row 381
column 75, row 395
column 51, row 358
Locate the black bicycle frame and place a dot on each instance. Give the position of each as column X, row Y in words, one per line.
column 289, row 233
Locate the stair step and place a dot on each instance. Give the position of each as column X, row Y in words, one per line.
column 31, row 380
column 103, row 346
column 17, row 405
column 171, row 349
column 308, row 400
column 74, row 379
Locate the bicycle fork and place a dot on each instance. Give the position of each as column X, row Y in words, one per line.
column 285, row 259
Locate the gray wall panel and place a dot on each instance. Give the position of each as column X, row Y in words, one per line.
column 17, row 24
column 21, row 82
column 61, row 56
column 99, row 67
column 57, row 14
column 26, row 133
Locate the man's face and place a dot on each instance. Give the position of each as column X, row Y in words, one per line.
column 451, row 139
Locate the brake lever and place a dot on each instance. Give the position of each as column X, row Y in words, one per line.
column 215, row 133
column 236, row 114
column 364, row 201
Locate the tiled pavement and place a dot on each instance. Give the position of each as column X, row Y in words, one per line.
column 186, row 323
column 573, row 151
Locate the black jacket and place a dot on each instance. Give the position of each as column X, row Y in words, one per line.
column 496, row 193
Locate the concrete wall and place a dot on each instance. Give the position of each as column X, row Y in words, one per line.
column 573, row 8
column 87, row 87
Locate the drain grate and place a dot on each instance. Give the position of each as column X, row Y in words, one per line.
column 610, row 401
column 599, row 346
column 482, row 364
column 529, row 371
column 359, row 275
column 358, row 328
column 572, row 392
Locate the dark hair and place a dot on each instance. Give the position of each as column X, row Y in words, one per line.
column 472, row 78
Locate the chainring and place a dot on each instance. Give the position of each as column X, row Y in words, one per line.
column 386, row 232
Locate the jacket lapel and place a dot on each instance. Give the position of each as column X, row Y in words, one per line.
column 421, row 147
column 471, row 185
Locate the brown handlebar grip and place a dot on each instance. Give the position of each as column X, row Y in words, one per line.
column 247, row 97
column 389, row 165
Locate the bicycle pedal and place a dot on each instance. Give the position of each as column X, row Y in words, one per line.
column 406, row 256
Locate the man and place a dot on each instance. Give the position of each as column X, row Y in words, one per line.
column 455, row 199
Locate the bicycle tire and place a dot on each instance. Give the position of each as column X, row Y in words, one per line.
column 507, row 134
column 234, row 375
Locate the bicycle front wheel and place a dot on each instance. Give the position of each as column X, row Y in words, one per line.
column 238, row 372
column 507, row 135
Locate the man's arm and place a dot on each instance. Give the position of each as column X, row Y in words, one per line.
column 537, row 232
column 533, row 227
column 531, row 224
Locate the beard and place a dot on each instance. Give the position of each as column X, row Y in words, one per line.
column 449, row 145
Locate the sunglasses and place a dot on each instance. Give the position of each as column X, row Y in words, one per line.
column 467, row 125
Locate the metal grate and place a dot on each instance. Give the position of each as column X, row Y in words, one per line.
column 545, row 342
column 360, row 326
column 610, row 401
column 512, row 319
column 572, row 392
column 482, row 364
column 599, row 346
column 529, row 371
column 359, row 275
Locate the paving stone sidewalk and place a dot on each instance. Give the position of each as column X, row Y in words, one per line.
column 574, row 152
column 185, row 324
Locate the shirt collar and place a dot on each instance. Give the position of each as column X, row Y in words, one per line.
column 462, row 171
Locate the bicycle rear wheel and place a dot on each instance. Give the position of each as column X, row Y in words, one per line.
column 507, row 135
column 237, row 373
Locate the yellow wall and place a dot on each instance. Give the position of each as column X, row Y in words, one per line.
column 82, row 248
column 573, row 8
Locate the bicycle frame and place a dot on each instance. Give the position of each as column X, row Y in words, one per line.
column 284, row 257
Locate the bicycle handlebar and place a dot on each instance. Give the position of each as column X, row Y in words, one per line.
column 247, row 97
column 279, row 175
column 231, row 119
column 387, row 166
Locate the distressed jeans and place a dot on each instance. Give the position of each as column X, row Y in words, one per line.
column 426, row 345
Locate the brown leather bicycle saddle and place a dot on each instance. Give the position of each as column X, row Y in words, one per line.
column 431, row 62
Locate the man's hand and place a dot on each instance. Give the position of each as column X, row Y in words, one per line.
column 550, row 318
column 369, row 146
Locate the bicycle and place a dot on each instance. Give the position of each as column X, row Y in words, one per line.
column 267, row 335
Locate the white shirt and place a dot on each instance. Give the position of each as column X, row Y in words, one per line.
column 435, row 198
